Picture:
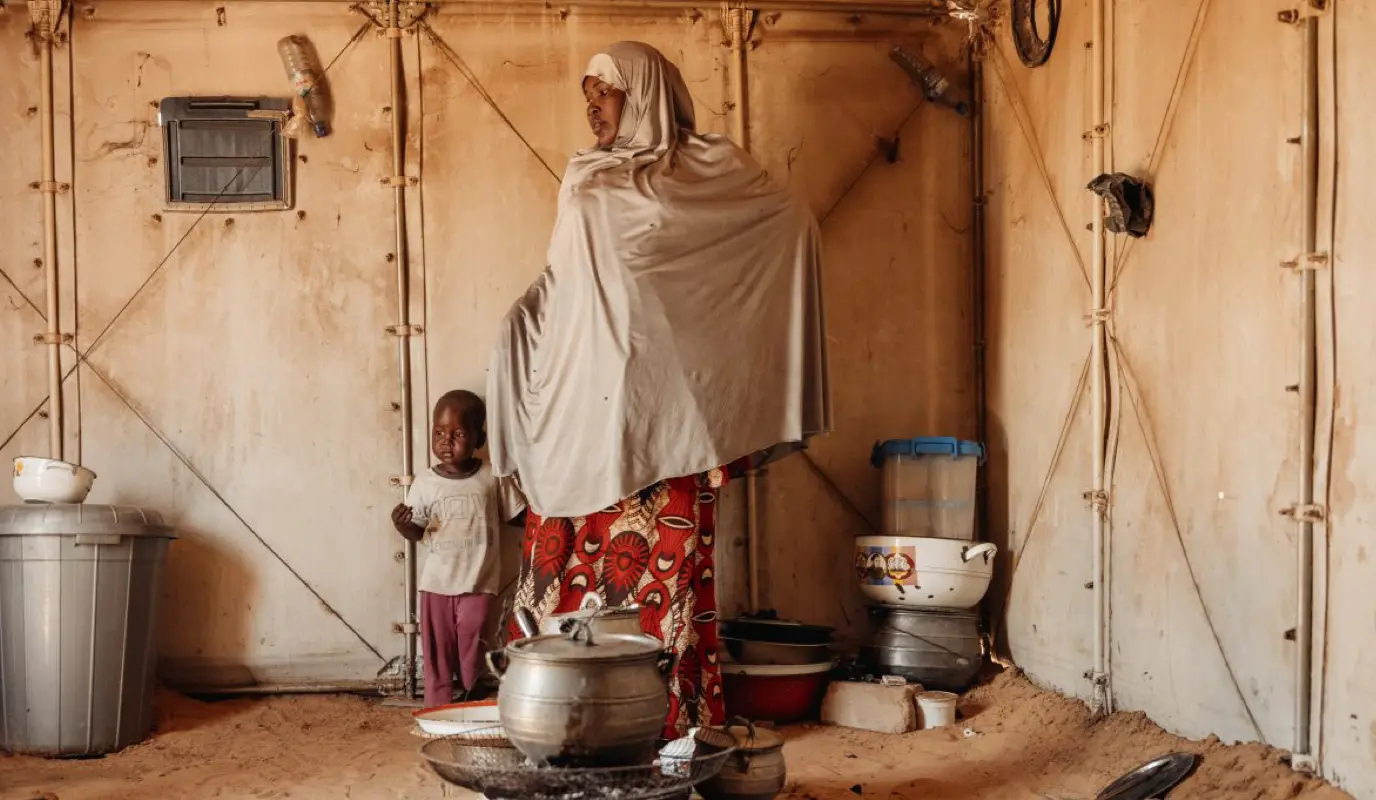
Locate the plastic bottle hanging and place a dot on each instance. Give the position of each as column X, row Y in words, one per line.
column 307, row 80
column 935, row 87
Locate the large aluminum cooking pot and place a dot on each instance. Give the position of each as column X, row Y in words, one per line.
column 938, row 649
column 624, row 620
column 923, row 572
column 582, row 698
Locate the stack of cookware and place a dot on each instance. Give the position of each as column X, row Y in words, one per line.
column 774, row 670
column 582, row 706
column 926, row 575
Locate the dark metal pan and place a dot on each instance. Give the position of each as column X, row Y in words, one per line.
column 1152, row 779
column 775, row 631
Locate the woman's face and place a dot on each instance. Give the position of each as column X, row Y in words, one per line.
column 605, row 103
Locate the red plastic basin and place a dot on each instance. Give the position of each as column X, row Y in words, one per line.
column 774, row 693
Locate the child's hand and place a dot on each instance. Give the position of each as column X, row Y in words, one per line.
column 401, row 520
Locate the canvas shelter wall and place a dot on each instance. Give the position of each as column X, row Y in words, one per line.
column 1205, row 342
column 244, row 384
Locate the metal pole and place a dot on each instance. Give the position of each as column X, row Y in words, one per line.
column 737, row 23
column 752, row 536
column 48, row 190
column 738, row 19
column 1099, row 365
column 409, row 625
column 1309, row 180
column 902, row 8
column 976, row 69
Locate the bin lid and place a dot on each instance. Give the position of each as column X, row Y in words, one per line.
column 926, row 446
column 58, row 519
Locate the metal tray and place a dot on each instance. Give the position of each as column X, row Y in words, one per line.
column 1152, row 779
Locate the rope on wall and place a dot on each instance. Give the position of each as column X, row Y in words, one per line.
column 83, row 357
column 1031, row 527
column 1331, row 412
column 1158, row 148
column 457, row 61
column 186, row 462
column 1129, row 381
column 1019, row 108
column 23, row 296
column 837, row 493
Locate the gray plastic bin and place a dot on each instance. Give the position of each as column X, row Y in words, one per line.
column 79, row 589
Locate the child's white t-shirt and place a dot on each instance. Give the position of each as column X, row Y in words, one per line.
column 463, row 519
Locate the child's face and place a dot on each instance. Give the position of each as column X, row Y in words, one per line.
column 452, row 440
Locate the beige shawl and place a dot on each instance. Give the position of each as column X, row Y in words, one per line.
column 678, row 326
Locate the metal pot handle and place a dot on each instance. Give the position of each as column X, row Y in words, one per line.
column 744, row 755
column 986, row 549
column 494, row 656
column 579, row 630
column 526, row 622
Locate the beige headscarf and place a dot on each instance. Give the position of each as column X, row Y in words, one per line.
column 678, row 326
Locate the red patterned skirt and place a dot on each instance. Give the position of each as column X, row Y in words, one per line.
column 654, row 549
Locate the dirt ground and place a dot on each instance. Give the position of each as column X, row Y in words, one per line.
column 1028, row 744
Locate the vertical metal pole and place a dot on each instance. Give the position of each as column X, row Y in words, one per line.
column 1099, row 364
column 738, row 28
column 409, row 625
column 738, row 20
column 752, row 536
column 976, row 70
column 1309, row 181
column 48, row 190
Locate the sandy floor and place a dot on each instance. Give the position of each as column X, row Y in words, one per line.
column 1028, row 745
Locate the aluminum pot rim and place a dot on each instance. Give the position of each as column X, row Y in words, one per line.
column 520, row 651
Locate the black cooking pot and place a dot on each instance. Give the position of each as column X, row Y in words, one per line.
column 777, row 631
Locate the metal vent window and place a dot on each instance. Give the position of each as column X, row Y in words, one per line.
column 226, row 153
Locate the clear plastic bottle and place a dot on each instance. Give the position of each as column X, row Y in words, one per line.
column 934, row 85
column 307, row 80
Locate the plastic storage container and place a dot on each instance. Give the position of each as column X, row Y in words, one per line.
column 929, row 486
column 79, row 590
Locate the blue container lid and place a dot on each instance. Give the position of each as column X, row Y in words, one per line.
column 926, row 446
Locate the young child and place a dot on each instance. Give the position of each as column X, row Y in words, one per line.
column 457, row 508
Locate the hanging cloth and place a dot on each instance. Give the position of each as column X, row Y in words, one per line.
column 678, row 326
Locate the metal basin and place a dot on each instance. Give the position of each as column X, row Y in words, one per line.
column 923, row 572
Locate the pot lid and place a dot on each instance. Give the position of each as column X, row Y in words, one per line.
column 582, row 644
column 926, row 446
column 756, row 740
column 58, row 519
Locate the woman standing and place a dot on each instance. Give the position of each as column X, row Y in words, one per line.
column 677, row 330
